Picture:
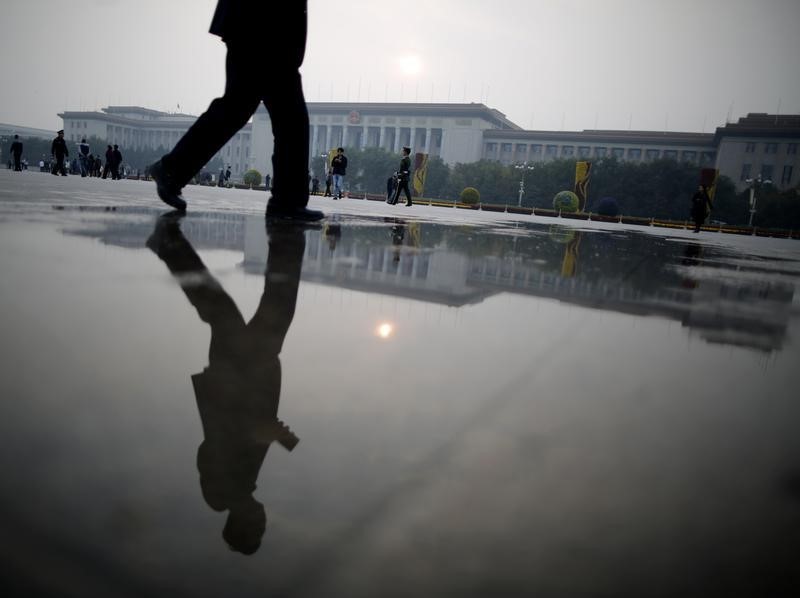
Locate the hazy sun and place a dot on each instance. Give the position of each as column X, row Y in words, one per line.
column 385, row 330
column 410, row 64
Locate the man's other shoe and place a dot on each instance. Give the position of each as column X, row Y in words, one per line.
column 168, row 190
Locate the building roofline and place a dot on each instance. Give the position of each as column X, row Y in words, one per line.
column 411, row 109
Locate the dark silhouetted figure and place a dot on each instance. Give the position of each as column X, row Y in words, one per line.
column 403, row 174
column 83, row 157
column 315, row 185
column 339, row 170
column 108, row 167
column 701, row 207
column 328, row 183
column 116, row 162
column 58, row 149
column 240, row 25
column 16, row 153
column 238, row 392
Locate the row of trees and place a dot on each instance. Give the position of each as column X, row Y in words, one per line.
column 659, row 189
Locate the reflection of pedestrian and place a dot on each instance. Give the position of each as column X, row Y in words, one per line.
column 403, row 175
column 58, row 149
column 701, row 207
column 398, row 233
column 238, row 392
column 339, row 169
column 16, row 153
column 240, row 25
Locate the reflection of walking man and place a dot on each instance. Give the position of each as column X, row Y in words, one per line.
column 238, row 392
column 240, row 25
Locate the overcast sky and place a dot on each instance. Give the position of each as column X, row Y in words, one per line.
column 678, row 65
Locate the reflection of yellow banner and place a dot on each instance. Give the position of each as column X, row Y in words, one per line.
column 414, row 234
column 709, row 177
column 569, row 266
column 583, row 170
column 420, row 172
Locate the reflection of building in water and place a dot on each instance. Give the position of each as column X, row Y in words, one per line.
column 740, row 311
column 430, row 274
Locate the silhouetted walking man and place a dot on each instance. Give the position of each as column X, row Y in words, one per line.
column 58, row 149
column 240, row 25
column 238, row 392
column 16, row 153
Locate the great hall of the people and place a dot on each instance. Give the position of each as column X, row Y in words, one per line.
column 756, row 145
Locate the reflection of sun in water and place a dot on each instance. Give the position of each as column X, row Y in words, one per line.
column 410, row 64
column 385, row 330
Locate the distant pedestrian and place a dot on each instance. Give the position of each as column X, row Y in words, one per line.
column 267, row 182
column 58, row 149
column 339, row 167
column 116, row 156
column 328, row 183
column 315, row 185
column 41, row 165
column 98, row 166
column 403, row 176
column 228, row 174
column 109, row 161
column 16, row 153
column 701, row 207
column 83, row 156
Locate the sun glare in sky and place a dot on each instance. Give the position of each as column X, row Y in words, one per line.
column 410, row 64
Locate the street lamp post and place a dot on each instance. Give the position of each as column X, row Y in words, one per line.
column 757, row 182
column 524, row 167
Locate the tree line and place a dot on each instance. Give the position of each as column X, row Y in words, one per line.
column 655, row 189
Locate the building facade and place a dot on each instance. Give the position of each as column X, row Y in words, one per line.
column 133, row 127
column 760, row 145
column 757, row 145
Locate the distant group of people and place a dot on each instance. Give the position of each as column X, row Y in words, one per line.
column 87, row 164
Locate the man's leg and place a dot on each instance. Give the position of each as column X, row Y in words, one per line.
column 287, row 110
column 224, row 117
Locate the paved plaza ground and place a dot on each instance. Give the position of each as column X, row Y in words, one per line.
column 402, row 402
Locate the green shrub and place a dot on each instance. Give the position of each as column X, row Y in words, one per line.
column 470, row 196
column 252, row 177
column 565, row 201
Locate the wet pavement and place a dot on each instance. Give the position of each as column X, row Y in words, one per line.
column 404, row 402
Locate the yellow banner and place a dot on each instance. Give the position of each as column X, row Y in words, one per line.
column 709, row 177
column 583, row 171
column 420, row 172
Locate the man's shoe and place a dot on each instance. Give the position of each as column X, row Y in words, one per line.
column 293, row 213
column 168, row 191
